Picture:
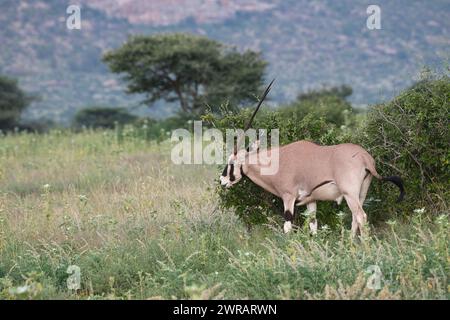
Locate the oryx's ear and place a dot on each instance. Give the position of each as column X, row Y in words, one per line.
column 255, row 145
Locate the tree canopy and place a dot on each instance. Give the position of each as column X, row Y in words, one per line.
column 192, row 70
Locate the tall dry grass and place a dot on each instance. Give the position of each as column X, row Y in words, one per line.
column 141, row 227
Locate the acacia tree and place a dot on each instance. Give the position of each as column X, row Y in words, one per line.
column 192, row 70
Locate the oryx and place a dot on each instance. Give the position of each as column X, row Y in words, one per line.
column 308, row 172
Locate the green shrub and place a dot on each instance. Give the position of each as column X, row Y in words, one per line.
column 409, row 136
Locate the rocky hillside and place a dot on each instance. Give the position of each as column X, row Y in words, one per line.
column 308, row 43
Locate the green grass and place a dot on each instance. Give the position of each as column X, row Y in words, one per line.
column 140, row 227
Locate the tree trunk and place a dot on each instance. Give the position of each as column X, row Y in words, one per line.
column 183, row 101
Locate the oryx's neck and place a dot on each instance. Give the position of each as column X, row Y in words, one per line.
column 253, row 172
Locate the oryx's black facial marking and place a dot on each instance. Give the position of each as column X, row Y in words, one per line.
column 232, row 177
column 288, row 216
column 225, row 171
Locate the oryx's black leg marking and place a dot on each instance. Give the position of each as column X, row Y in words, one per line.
column 288, row 216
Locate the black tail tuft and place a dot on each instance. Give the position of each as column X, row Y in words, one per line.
column 399, row 183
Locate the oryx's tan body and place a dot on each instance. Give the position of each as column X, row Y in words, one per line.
column 307, row 173
column 311, row 172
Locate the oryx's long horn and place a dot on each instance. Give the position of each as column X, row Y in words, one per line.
column 249, row 123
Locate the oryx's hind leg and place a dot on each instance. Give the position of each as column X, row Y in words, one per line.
column 351, row 184
column 288, row 202
column 359, row 217
column 311, row 208
column 364, row 188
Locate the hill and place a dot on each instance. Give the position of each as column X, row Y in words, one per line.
column 306, row 43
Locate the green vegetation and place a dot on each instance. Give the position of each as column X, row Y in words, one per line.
column 191, row 70
column 138, row 226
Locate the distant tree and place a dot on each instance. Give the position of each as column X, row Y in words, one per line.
column 13, row 101
column 329, row 103
column 100, row 117
column 192, row 70
column 342, row 91
column 39, row 125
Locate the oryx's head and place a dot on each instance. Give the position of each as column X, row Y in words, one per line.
column 233, row 171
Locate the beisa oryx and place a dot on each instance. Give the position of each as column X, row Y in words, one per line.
column 307, row 173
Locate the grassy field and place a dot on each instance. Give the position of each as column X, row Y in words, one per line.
column 139, row 227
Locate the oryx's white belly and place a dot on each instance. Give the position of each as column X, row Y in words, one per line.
column 327, row 192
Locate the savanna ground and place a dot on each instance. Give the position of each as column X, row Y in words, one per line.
column 141, row 227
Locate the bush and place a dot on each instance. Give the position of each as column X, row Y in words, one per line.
column 409, row 136
column 99, row 117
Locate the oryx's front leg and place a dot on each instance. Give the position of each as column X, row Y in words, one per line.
column 311, row 209
column 288, row 202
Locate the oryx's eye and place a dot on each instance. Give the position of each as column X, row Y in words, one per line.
column 225, row 171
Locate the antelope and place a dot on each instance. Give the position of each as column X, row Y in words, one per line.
column 307, row 173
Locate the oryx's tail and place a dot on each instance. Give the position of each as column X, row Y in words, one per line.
column 370, row 166
column 399, row 183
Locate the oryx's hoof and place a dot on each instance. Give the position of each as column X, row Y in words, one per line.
column 287, row 226
column 313, row 227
